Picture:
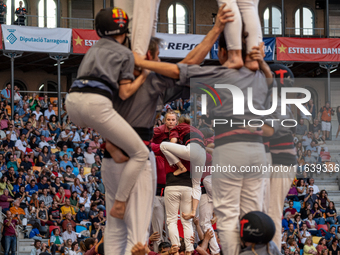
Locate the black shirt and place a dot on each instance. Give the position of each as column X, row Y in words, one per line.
column 27, row 165
column 55, row 213
column 100, row 234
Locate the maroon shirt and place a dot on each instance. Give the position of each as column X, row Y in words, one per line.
column 3, row 201
column 160, row 134
column 182, row 130
column 9, row 230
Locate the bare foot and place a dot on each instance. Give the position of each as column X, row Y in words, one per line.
column 188, row 216
column 235, row 59
column 180, row 170
column 118, row 209
column 252, row 65
column 116, row 153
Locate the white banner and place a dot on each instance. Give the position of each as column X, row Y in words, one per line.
column 178, row 46
column 35, row 39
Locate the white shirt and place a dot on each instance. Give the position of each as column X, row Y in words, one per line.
column 315, row 188
column 88, row 202
column 37, row 115
column 42, row 144
column 76, row 137
column 13, row 135
column 81, row 178
column 89, row 158
column 87, row 137
column 21, row 145
column 307, row 234
column 48, row 114
column 2, row 134
column 307, row 142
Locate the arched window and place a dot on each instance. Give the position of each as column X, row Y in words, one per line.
column 272, row 21
column 9, row 9
column 304, row 21
column 47, row 14
column 177, row 19
column 51, row 87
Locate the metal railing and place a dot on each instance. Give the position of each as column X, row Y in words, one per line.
column 305, row 32
column 77, row 23
column 175, row 28
column 334, row 32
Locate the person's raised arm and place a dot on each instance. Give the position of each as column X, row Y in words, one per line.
column 127, row 87
column 257, row 54
column 197, row 55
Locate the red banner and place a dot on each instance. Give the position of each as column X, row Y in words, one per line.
column 308, row 49
column 83, row 39
column 0, row 38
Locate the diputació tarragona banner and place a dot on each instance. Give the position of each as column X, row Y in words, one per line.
column 308, row 49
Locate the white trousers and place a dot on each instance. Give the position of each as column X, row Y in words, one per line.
column 143, row 15
column 194, row 153
column 266, row 186
column 121, row 235
column 206, row 209
column 159, row 220
column 178, row 198
column 95, row 111
column 235, row 194
column 246, row 11
column 279, row 186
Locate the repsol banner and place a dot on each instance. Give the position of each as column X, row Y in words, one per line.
column 36, row 39
column 178, row 46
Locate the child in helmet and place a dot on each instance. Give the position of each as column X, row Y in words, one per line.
column 107, row 70
column 257, row 230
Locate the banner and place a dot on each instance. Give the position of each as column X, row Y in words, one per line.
column 308, row 49
column 178, row 46
column 269, row 43
column 83, row 39
column 35, row 39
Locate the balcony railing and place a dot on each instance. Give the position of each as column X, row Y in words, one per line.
column 66, row 22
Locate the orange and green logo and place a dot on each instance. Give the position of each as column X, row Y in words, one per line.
column 206, row 90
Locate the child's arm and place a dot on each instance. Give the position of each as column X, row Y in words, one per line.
column 197, row 55
column 128, row 88
column 256, row 54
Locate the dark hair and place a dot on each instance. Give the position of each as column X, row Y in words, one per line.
column 54, row 230
column 85, row 245
column 154, row 42
column 36, row 241
column 222, row 42
column 53, row 115
column 73, row 244
column 36, row 225
column 163, row 245
column 207, row 132
column 81, row 206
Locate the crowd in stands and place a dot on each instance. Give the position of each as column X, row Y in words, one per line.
column 310, row 222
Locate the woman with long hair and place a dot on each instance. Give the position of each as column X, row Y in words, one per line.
column 16, row 186
column 56, row 242
column 317, row 214
column 17, row 121
column 74, row 249
column 34, row 146
column 88, row 246
column 44, row 156
column 309, row 248
column 42, row 126
column 331, row 215
column 5, row 184
column 99, row 200
column 54, row 126
column 77, row 186
column 323, row 200
column 74, row 201
column 78, row 158
column 301, row 189
column 321, row 245
column 42, row 215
